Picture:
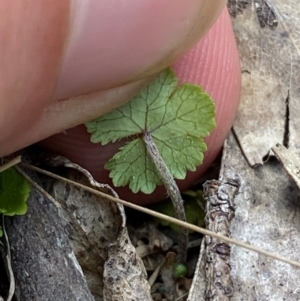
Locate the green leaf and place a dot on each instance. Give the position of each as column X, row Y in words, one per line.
column 177, row 119
column 14, row 192
column 132, row 165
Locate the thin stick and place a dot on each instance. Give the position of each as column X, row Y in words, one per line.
column 12, row 283
column 38, row 187
column 173, row 192
column 10, row 164
column 166, row 217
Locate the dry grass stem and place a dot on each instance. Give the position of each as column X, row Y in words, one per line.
column 10, row 164
column 166, row 217
column 38, row 187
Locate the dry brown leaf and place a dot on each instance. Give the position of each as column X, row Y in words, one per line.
column 100, row 241
column 270, row 63
column 124, row 273
column 289, row 161
column 267, row 215
column 91, row 225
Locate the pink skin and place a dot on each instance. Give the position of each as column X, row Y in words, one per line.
column 98, row 54
column 149, row 34
column 213, row 63
column 52, row 50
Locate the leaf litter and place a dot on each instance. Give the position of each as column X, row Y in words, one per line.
column 138, row 266
column 267, row 212
column 182, row 284
column 255, row 161
column 100, row 240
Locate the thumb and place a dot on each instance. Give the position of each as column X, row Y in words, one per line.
column 68, row 50
column 214, row 64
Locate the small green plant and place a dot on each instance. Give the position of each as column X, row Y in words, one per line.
column 165, row 125
column 177, row 118
column 14, row 192
column 179, row 270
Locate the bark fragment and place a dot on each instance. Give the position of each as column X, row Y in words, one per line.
column 43, row 261
column 220, row 211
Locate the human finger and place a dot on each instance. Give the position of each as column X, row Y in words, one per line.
column 214, row 64
column 58, row 49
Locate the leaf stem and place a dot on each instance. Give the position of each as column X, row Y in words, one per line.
column 172, row 190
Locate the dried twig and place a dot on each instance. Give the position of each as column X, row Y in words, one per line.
column 10, row 164
column 219, row 213
column 38, row 187
column 5, row 250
